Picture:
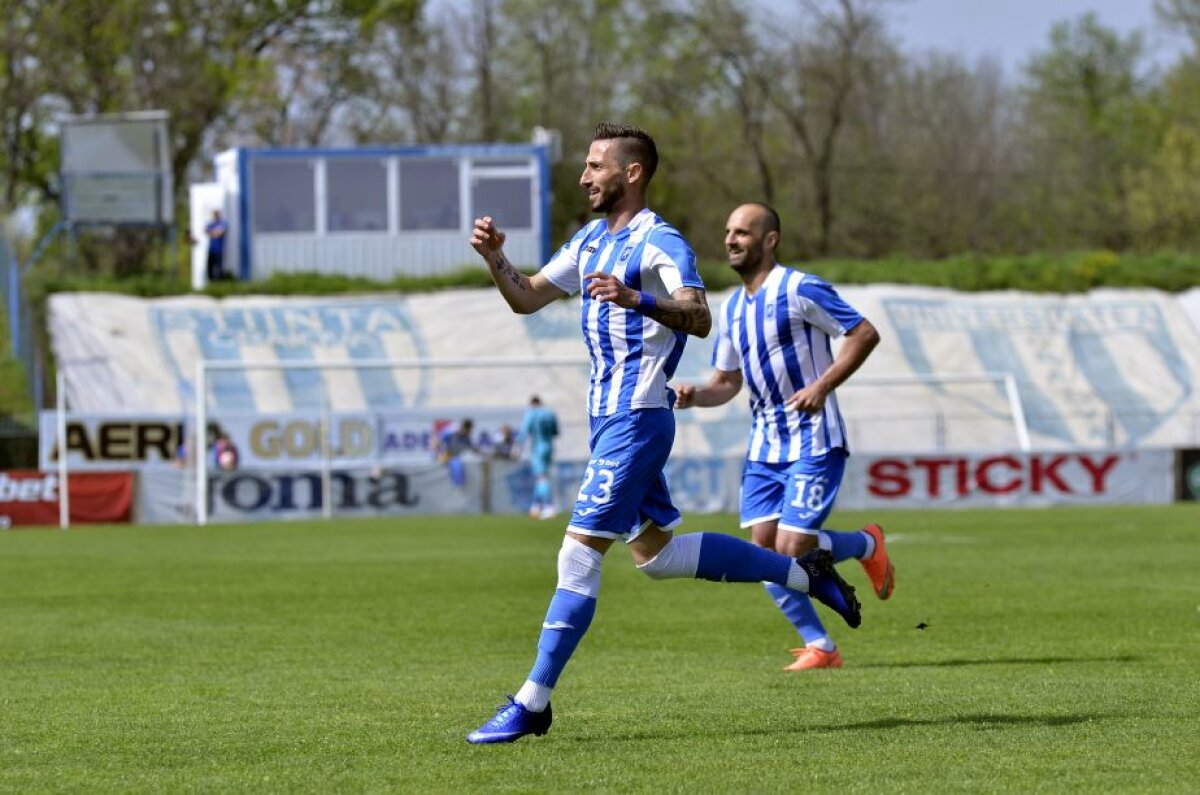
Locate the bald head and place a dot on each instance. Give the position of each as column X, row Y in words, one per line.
column 751, row 236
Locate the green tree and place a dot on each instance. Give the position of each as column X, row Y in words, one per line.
column 1089, row 108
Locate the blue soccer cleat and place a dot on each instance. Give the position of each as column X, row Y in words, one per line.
column 510, row 723
column 827, row 586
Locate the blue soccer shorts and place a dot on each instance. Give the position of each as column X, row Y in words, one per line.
column 800, row 494
column 624, row 490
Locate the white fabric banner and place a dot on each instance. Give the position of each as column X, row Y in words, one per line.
column 1111, row 368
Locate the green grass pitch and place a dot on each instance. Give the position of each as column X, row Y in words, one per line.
column 1062, row 653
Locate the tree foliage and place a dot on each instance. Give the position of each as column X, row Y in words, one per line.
column 866, row 148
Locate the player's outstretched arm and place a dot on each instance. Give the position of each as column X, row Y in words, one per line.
column 686, row 310
column 719, row 390
column 525, row 294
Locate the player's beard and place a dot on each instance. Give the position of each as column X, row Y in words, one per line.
column 751, row 259
column 608, row 200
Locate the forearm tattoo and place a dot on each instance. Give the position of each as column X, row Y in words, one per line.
column 686, row 310
column 503, row 269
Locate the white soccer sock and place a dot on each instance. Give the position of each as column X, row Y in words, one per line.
column 870, row 545
column 824, row 644
column 797, row 578
column 533, row 697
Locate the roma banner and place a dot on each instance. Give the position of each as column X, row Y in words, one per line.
column 31, row 498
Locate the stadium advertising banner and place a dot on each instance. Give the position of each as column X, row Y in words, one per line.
column 108, row 442
column 703, row 484
column 168, row 496
column 31, row 498
column 1009, row 479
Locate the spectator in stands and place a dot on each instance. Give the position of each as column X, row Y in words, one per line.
column 451, row 445
column 224, row 454
column 216, row 230
column 538, row 430
column 506, row 447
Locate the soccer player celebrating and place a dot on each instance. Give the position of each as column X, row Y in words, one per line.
column 774, row 333
column 641, row 297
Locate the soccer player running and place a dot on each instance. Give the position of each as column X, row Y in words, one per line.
column 641, row 297
column 774, row 333
column 538, row 429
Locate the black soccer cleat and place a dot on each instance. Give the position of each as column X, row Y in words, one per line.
column 827, row 586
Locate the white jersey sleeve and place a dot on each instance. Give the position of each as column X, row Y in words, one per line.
column 726, row 354
column 669, row 257
column 824, row 308
column 563, row 268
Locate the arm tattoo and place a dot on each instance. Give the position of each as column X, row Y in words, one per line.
column 505, row 270
column 686, row 310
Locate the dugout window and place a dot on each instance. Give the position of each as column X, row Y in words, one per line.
column 284, row 195
column 356, row 195
column 509, row 200
column 429, row 194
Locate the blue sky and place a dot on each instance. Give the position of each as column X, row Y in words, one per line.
column 1013, row 29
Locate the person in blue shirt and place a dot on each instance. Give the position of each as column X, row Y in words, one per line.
column 215, row 230
column 538, row 430
column 640, row 298
column 451, row 444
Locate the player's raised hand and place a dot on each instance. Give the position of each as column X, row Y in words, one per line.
column 607, row 288
column 485, row 237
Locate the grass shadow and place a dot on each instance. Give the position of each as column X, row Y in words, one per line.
column 1122, row 658
column 976, row 721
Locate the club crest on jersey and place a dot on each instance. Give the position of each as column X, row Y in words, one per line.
column 626, row 254
column 770, row 311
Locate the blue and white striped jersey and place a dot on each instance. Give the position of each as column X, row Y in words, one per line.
column 632, row 355
column 779, row 339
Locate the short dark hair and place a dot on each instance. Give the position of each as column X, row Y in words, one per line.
column 771, row 221
column 636, row 145
column 535, row 401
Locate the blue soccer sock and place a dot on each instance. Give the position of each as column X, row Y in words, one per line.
column 798, row 609
column 844, row 546
column 541, row 492
column 730, row 559
column 567, row 619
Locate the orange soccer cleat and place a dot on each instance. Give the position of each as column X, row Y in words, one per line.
column 811, row 657
column 879, row 566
